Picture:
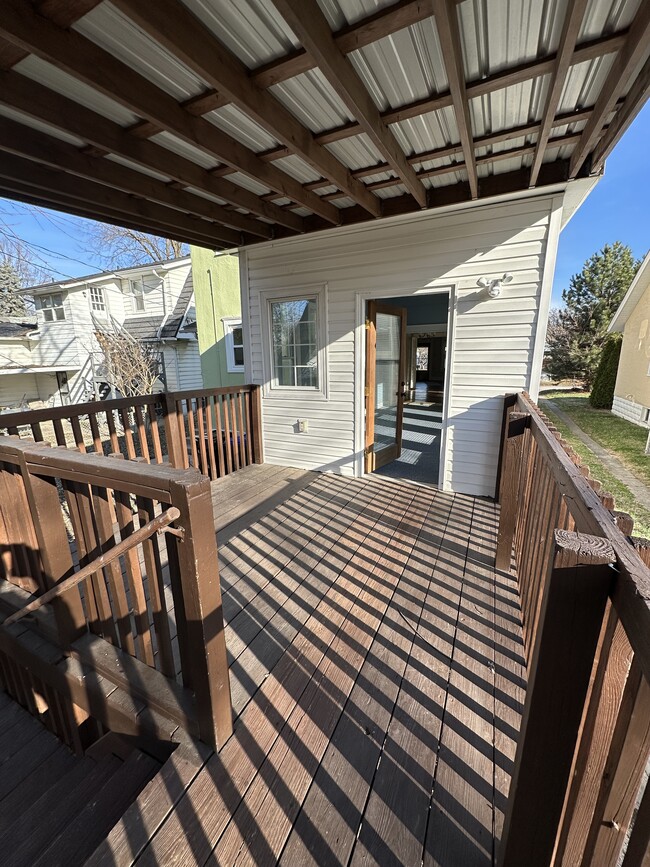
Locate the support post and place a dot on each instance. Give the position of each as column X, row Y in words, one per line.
column 572, row 611
column 509, row 406
column 517, row 423
column 175, row 446
column 256, row 424
column 204, row 641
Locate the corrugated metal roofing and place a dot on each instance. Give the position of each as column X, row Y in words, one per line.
column 398, row 70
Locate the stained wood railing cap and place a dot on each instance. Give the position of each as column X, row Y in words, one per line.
column 584, row 550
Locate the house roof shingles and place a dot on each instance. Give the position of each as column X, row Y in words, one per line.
column 152, row 327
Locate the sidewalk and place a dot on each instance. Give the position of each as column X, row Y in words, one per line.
column 637, row 488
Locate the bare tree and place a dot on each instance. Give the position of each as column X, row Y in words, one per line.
column 118, row 247
column 129, row 366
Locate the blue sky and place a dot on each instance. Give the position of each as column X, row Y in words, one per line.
column 617, row 210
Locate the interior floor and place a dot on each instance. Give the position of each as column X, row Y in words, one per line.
column 419, row 460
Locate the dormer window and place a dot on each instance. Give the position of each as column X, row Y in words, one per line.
column 51, row 307
column 97, row 302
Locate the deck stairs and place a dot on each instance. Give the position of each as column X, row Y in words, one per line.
column 55, row 807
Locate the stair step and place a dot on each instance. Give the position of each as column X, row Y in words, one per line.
column 35, row 786
column 82, row 835
column 26, row 760
column 34, row 830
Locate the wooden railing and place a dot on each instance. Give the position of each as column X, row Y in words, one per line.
column 584, row 744
column 148, row 620
column 216, row 430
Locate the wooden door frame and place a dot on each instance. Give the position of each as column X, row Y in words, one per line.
column 362, row 297
column 390, row 454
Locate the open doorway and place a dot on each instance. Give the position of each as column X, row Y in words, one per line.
column 406, row 352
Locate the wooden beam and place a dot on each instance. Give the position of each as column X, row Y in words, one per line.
column 627, row 61
column 56, row 186
column 26, row 142
column 570, row 31
column 37, row 101
column 348, row 39
column 28, row 195
column 480, row 87
column 452, row 52
column 94, row 66
column 192, row 43
column 310, row 25
column 634, row 102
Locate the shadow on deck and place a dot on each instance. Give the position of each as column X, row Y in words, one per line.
column 377, row 679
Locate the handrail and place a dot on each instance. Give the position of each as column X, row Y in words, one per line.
column 160, row 524
column 631, row 593
column 35, row 416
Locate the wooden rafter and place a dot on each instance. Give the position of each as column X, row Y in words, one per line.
column 570, row 31
column 20, row 140
column 310, row 25
column 197, row 48
column 98, row 68
column 627, row 61
column 37, row 101
column 54, row 186
column 452, row 52
column 634, row 102
column 482, row 86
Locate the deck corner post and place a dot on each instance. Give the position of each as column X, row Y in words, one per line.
column 202, row 635
column 172, row 432
column 572, row 610
column 516, row 424
column 509, row 406
column 256, row 424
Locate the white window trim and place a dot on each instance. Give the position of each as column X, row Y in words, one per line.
column 318, row 293
column 103, row 300
column 132, row 296
column 41, row 309
column 229, row 324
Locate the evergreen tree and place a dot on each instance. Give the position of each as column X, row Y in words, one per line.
column 602, row 393
column 577, row 332
column 11, row 303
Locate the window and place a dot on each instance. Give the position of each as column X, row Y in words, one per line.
column 97, row 303
column 137, row 296
column 51, row 306
column 234, row 345
column 294, row 338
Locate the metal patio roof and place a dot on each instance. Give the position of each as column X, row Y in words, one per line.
column 223, row 122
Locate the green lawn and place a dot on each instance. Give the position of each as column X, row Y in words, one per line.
column 621, row 438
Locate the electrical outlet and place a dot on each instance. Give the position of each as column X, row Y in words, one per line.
column 303, row 425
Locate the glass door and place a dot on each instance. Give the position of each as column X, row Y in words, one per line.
column 385, row 359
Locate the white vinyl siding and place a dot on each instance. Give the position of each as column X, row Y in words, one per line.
column 494, row 342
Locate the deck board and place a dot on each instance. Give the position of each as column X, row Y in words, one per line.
column 377, row 682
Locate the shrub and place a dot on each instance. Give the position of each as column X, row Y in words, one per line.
column 602, row 393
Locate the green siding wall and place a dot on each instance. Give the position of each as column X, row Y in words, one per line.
column 216, row 294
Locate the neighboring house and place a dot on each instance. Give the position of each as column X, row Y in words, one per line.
column 58, row 361
column 19, row 377
column 218, row 311
column 632, row 391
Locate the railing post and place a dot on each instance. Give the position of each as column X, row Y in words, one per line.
column 517, row 423
column 256, row 424
column 509, row 406
column 175, row 448
column 201, row 634
column 571, row 617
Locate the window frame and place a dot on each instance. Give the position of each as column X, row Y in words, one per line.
column 317, row 293
column 42, row 309
column 139, row 282
column 101, row 310
column 230, row 323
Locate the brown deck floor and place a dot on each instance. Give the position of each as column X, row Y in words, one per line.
column 377, row 680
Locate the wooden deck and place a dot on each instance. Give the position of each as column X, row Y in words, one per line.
column 377, row 678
